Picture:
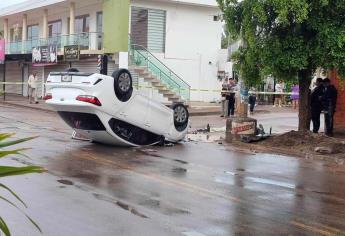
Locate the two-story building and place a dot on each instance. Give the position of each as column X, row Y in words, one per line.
column 177, row 41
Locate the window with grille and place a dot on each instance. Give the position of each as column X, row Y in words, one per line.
column 148, row 28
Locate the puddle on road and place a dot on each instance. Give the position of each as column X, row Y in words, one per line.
column 271, row 182
column 120, row 204
column 192, row 233
column 180, row 161
column 164, row 207
column 65, row 181
column 179, row 170
column 225, row 180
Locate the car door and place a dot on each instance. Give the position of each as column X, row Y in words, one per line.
column 136, row 112
column 160, row 118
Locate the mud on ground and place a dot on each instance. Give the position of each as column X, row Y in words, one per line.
column 302, row 144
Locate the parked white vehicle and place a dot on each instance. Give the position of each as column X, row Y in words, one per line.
column 107, row 109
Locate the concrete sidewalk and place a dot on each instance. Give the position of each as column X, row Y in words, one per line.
column 195, row 108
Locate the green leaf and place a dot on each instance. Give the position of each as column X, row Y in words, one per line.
column 10, row 170
column 4, row 228
column 5, row 136
column 34, row 223
column 28, row 217
column 12, row 152
column 10, row 143
column 13, row 193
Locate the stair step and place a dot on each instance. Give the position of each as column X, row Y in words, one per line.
column 145, row 74
column 149, row 78
column 163, row 89
column 138, row 69
column 174, row 100
column 155, row 81
column 170, row 95
column 158, row 85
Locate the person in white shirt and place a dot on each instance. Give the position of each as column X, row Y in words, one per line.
column 33, row 83
column 278, row 97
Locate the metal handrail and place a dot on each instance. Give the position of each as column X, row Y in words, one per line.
column 21, row 45
column 160, row 71
column 162, row 64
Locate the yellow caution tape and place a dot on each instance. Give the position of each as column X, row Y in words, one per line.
column 194, row 90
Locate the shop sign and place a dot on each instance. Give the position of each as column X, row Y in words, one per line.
column 44, row 55
column 71, row 53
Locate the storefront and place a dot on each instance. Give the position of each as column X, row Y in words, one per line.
column 18, row 69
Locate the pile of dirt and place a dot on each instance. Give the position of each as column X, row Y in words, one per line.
column 306, row 142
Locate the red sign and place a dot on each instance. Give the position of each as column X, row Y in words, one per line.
column 2, row 51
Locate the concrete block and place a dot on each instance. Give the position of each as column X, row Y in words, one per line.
column 237, row 126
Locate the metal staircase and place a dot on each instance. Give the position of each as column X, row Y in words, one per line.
column 158, row 75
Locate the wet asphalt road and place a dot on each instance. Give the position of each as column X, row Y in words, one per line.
column 191, row 189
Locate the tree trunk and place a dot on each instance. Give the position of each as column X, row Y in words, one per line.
column 304, row 116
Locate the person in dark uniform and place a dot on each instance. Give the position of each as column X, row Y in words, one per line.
column 329, row 101
column 231, row 104
column 316, row 104
column 231, row 98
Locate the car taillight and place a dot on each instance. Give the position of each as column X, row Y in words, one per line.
column 48, row 96
column 89, row 99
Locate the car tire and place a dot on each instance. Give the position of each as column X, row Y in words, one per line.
column 123, row 84
column 181, row 116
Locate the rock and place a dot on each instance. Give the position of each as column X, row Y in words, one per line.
column 324, row 150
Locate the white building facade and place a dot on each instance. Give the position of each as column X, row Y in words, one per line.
column 183, row 35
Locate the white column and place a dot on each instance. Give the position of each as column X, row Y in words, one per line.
column 6, row 30
column 64, row 26
column 25, row 28
column 71, row 17
column 24, row 32
column 123, row 60
column 45, row 24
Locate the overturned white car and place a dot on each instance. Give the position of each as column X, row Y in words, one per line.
column 107, row 109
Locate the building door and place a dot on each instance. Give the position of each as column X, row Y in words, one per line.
column 14, row 78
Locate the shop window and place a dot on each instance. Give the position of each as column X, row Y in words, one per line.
column 54, row 28
column 33, row 32
column 81, row 24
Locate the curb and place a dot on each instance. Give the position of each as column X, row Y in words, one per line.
column 28, row 107
column 199, row 113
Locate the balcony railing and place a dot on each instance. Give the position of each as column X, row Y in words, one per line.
column 86, row 41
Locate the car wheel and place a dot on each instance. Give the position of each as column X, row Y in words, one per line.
column 181, row 116
column 123, row 84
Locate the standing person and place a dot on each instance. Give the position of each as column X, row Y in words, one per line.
column 231, row 97
column 32, row 84
column 316, row 98
column 329, row 103
column 283, row 95
column 295, row 96
column 252, row 101
column 278, row 98
column 224, row 101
